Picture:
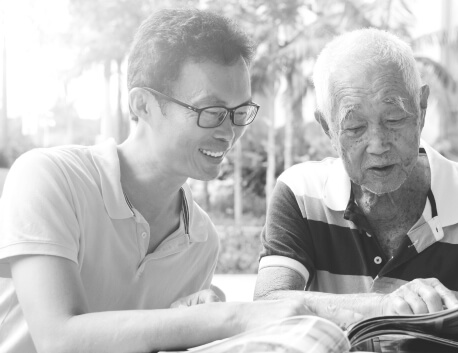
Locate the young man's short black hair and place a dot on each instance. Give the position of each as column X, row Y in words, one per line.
column 169, row 37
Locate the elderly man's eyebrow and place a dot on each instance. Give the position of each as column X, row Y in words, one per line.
column 398, row 102
column 345, row 110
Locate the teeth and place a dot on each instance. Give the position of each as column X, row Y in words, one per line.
column 212, row 154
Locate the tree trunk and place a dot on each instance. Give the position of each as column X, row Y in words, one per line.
column 106, row 124
column 207, row 203
column 70, row 121
column 288, row 147
column 238, row 204
column 271, row 167
column 122, row 122
column 4, row 114
column 446, row 122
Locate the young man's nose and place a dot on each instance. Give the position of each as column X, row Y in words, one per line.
column 226, row 131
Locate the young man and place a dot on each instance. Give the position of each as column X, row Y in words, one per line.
column 100, row 241
column 376, row 230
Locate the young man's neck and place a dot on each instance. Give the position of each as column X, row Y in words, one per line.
column 143, row 182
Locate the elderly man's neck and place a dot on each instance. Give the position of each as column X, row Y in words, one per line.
column 391, row 215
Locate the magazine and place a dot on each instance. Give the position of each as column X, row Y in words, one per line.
column 313, row 334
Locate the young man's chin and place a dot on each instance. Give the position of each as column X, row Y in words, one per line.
column 209, row 174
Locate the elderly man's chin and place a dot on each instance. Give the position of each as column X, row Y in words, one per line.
column 383, row 187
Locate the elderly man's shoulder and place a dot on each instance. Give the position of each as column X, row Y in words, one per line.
column 312, row 175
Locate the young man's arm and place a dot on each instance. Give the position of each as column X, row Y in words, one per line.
column 416, row 297
column 53, row 301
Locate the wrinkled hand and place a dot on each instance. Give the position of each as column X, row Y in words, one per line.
column 201, row 297
column 420, row 296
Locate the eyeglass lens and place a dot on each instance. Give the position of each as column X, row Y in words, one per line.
column 213, row 116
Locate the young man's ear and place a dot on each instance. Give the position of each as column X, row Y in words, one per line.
column 138, row 102
column 322, row 121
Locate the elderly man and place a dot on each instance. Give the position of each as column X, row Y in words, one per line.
column 100, row 241
column 376, row 230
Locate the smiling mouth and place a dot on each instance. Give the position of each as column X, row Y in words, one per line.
column 211, row 153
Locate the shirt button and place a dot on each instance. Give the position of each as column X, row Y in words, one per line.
column 378, row 260
column 144, row 235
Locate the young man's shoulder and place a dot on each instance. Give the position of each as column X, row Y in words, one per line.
column 57, row 156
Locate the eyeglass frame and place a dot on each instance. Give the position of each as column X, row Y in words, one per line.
column 200, row 110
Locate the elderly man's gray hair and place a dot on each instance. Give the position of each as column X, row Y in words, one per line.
column 368, row 47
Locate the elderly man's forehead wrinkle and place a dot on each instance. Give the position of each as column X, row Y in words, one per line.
column 345, row 95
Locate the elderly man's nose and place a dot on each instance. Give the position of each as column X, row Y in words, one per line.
column 378, row 140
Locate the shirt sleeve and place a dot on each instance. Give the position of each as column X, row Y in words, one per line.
column 37, row 214
column 286, row 236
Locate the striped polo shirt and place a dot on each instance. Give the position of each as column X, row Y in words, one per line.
column 314, row 227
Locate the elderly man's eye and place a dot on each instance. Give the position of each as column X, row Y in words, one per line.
column 396, row 120
column 354, row 129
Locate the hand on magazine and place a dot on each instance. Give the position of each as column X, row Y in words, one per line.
column 200, row 297
column 420, row 296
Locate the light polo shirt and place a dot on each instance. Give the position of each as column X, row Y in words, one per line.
column 68, row 202
column 315, row 228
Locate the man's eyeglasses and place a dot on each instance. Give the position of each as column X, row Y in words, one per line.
column 214, row 116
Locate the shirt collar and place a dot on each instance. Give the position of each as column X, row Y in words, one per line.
column 444, row 176
column 337, row 188
column 105, row 157
column 199, row 222
column 444, row 185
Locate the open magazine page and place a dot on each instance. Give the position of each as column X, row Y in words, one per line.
column 441, row 327
column 297, row 334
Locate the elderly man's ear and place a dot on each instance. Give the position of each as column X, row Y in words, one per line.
column 423, row 103
column 322, row 121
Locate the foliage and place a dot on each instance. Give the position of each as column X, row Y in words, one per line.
column 17, row 145
column 104, row 29
column 239, row 249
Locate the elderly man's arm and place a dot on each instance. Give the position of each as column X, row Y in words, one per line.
column 282, row 282
column 415, row 297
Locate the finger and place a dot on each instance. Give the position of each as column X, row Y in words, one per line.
column 448, row 297
column 431, row 298
column 399, row 306
column 189, row 300
column 219, row 292
column 417, row 302
column 178, row 303
column 208, row 296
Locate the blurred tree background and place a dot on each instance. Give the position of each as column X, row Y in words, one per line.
column 88, row 45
